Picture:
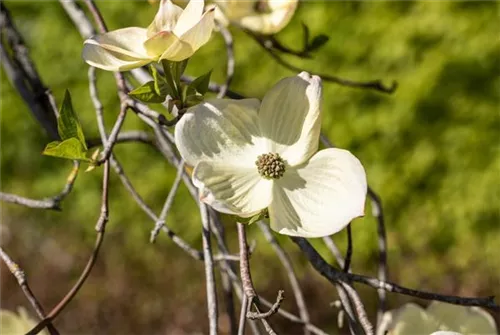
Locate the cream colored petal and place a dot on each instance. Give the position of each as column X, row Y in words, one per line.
column 469, row 320
column 290, row 116
column 95, row 55
column 200, row 33
column 410, row 319
column 234, row 9
column 166, row 18
column 127, row 41
column 178, row 50
column 159, row 43
column 321, row 197
column 231, row 187
column 220, row 128
column 189, row 17
column 281, row 12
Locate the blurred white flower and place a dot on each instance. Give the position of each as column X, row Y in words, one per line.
column 261, row 16
column 249, row 156
column 175, row 34
column 438, row 319
column 16, row 324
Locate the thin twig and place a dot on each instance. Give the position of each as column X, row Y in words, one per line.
column 247, row 283
column 130, row 136
column 113, row 136
column 378, row 213
column 243, row 314
column 227, row 268
column 23, row 283
column 334, row 275
column 376, row 85
column 228, row 41
column 274, row 308
column 239, row 292
column 168, row 203
column 53, row 203
column 360, row 308
column 209, row 270
column 77, row 15
column 348, row 254
column 245, row 274
column 32, row 203
column 332, row 247
column 292, row 277
column 100, row 228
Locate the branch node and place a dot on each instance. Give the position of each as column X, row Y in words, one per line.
column 273, row 310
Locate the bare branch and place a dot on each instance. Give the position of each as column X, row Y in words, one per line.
column 100, row 228
column 378, row 213
column 127, row 137
column 292, row 277
column 243, row 314
column 348, row 254
column 108, row 146
column 77, row 15
column 23, row 283
column 168, row 203
column 332, row 247
column 209, row 270
column 247, row 283
column 54, row 202
column 274, row 308
column 228, row 41
column 376, row 85
column 334, row 275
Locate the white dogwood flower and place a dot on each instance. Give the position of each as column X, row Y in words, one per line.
column 175, row 34
column 249, row 156
column 261, row 16
column 438, row 319
column 17, row 323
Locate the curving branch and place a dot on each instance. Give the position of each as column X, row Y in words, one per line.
column 18, row 273
column 334, row 276
column 53, row 203
column 100, row 228
column 376, row 85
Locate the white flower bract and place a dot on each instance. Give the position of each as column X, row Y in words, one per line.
column 438, row 319
column 318, row 193
column 261, row 16
column 175, row 34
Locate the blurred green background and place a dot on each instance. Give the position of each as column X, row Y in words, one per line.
column 431, row 150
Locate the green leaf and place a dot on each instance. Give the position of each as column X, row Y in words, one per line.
column 178, row 69
column 260, row 216
column 318, row 42
column 147, row 93
column 68, row 125
column 161, row 87
column 200, row 84
column 167, row 68
column 69, row 149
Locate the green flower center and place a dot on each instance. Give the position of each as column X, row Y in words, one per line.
column 270, row 166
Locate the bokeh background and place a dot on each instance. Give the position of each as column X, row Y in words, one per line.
column 431, row 150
